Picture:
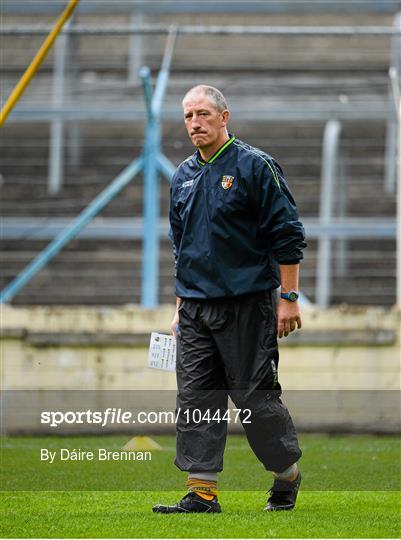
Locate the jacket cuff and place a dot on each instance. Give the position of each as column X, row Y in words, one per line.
column 289, row 262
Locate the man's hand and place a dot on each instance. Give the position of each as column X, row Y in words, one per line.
column 288, row 317
column 174, row 323
column 176, row 319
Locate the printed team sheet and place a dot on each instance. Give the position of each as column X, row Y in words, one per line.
column 162, row 352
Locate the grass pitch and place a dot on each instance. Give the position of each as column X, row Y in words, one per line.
column 328, row 504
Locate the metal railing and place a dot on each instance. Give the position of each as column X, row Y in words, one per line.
column 22, row 7
column 31, row 70
column 219, row 30
column 60, row 112
column 151, row 162
column 331, row 141
column 327, row 228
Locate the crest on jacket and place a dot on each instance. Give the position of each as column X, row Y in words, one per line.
column 227, row 181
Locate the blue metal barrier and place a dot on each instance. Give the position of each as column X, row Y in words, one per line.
column 71, row 231
column 150, row 162
column 150, row 262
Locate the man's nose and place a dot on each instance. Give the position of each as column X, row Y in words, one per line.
column 195, row 124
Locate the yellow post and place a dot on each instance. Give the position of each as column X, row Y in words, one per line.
column 36, row 62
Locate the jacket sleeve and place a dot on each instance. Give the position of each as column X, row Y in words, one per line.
column 175, row 232
column 278, row 214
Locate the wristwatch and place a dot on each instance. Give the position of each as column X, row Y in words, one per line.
column 292, row 296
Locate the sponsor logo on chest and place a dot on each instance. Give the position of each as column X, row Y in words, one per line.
column 188, row 183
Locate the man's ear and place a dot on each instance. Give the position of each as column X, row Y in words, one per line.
column 225, row 117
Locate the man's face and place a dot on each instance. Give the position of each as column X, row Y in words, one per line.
column 205, row 125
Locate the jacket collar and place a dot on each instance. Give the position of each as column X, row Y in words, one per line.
column 217, row 154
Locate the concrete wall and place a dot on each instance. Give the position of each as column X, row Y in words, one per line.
column 341, row 372
column 242, row 52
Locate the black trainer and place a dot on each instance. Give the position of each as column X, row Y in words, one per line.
column 283, row 495
column 191, row 502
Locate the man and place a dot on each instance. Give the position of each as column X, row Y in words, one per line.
column 236, row 238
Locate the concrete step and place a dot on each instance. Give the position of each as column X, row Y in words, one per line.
column 109, row 273
column 366, row 196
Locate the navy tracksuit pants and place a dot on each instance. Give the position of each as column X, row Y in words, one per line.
column 228, row 347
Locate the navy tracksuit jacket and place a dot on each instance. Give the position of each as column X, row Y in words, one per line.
column 232, row 220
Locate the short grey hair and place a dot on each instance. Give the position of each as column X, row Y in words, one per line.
column 213, row 94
